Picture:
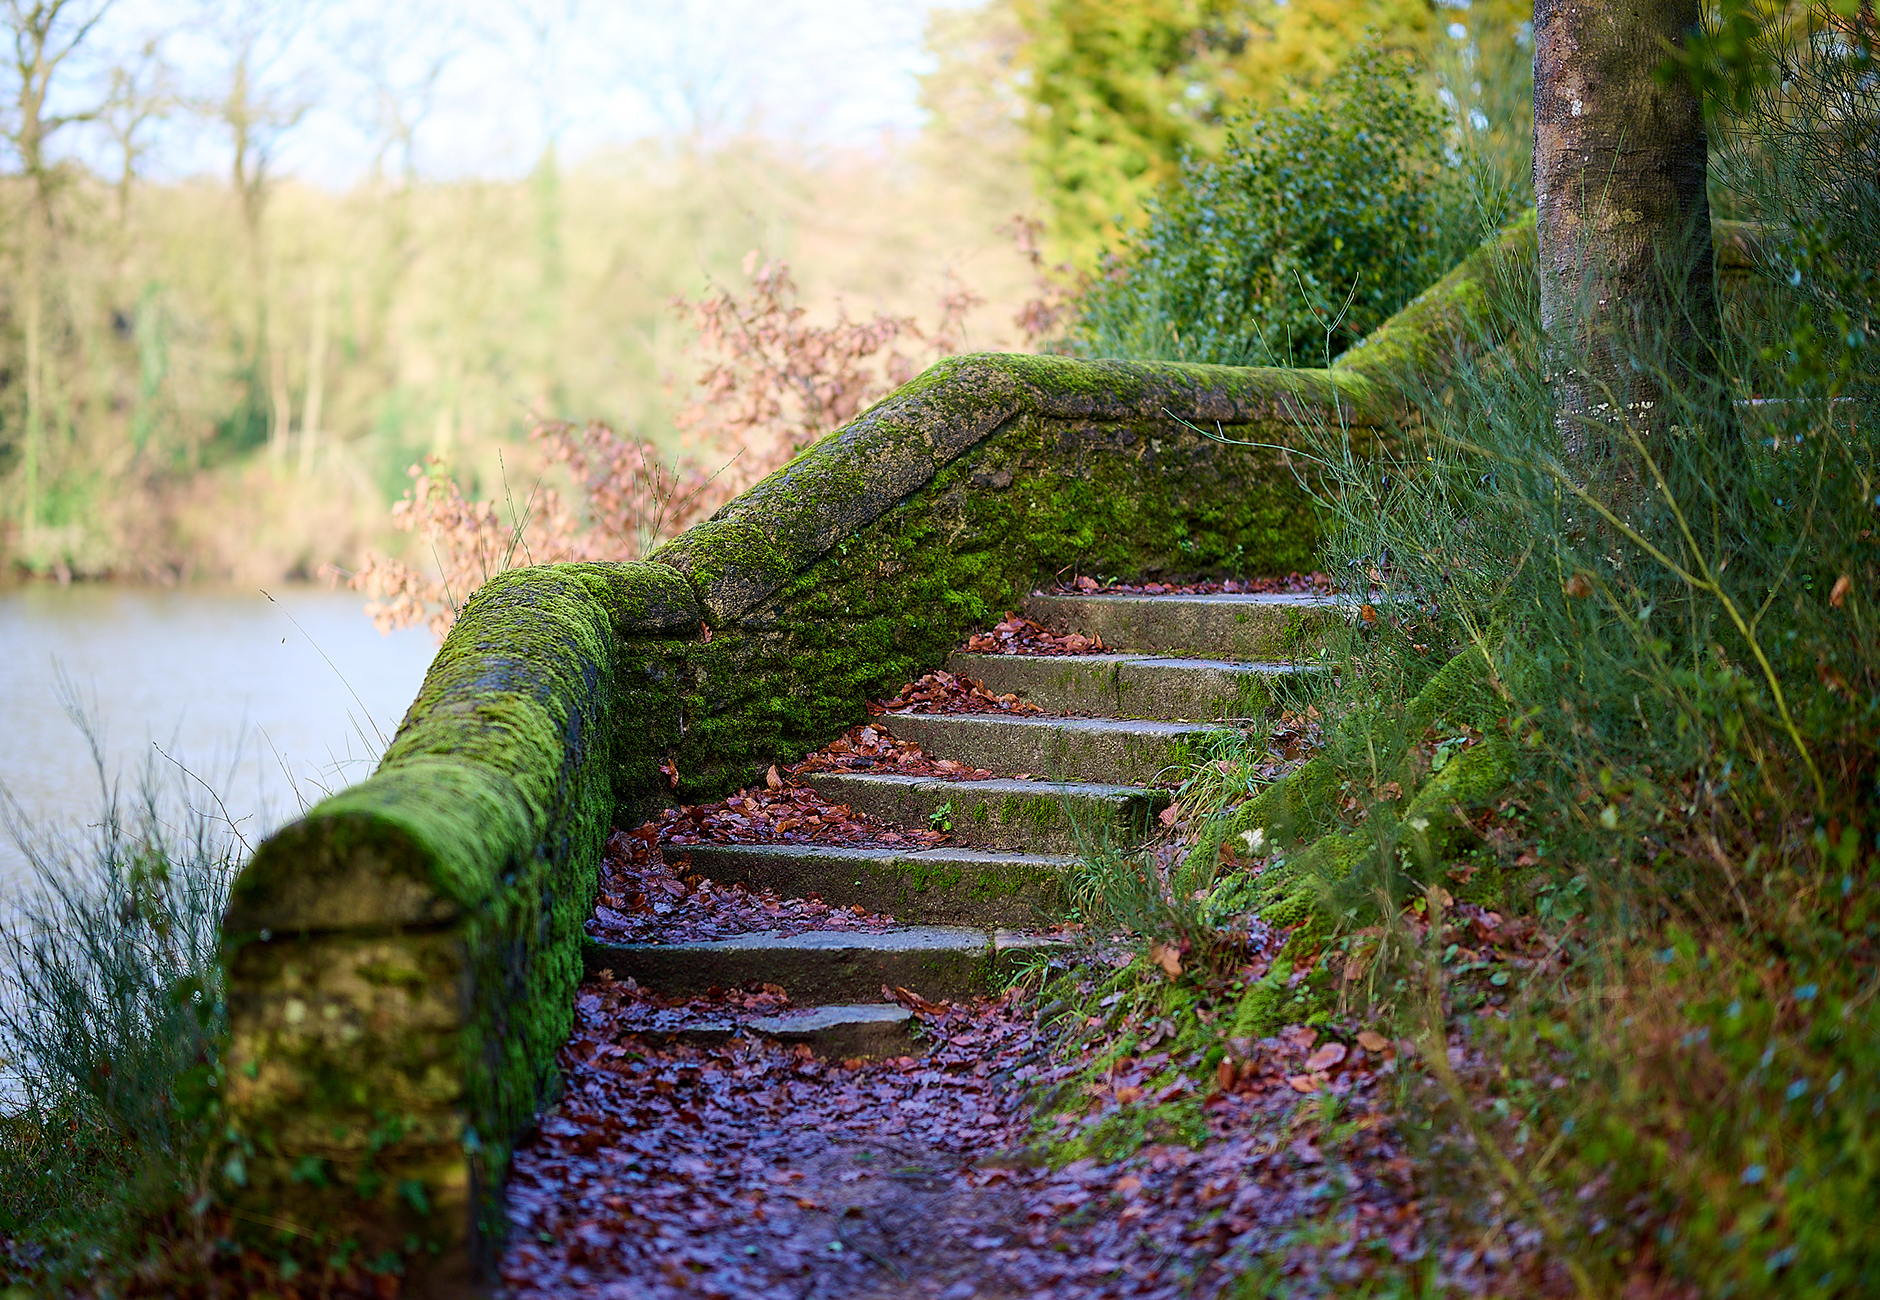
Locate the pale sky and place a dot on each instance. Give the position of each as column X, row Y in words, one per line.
column 484, row 86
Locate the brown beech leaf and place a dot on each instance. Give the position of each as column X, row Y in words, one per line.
column 1372, row 1041
column 1168, row 958
column 771, row 778
column 1842, row 585
column 1326, row 1057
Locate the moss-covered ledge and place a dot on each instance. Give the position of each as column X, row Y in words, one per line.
column 753, row 546
column 402, row 959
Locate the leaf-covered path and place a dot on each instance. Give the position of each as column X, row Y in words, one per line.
column 750, row 1168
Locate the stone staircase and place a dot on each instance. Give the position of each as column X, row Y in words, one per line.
column 971, row 912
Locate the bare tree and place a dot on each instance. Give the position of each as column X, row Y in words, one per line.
column 255, row 105
column 44, row 35
column 140, row 94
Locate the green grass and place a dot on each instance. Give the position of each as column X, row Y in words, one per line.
column 111, row 1017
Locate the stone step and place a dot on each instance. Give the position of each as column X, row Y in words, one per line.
column 1244, row 628
column 1130, row 686
column 827, row 967
column 1123, row 751
column 869, row 1031
column 1032, row 816
column 945, row 886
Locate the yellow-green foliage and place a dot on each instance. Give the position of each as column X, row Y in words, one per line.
column 1116, row 91
column 441, row 316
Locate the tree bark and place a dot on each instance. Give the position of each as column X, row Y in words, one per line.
column 1624, row 220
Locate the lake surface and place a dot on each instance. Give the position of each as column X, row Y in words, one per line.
column 234, row 686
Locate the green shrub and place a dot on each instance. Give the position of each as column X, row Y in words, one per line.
column 1319, row 222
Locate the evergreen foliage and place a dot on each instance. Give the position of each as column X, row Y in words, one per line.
column 1321, row 220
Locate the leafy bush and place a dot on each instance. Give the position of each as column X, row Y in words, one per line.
column 1319, row 222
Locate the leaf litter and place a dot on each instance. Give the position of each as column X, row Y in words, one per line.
column 753, row 1169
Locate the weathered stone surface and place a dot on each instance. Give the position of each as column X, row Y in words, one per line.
column 1030, row 816
column 941, row 963
column 1248, row 628
column 866, row 1031
column 1129, row 686
column 934, row 886
column 1067, row 749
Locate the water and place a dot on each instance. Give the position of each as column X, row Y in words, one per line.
column 232, row 686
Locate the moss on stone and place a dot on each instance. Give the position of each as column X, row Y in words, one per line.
column 1450, row 318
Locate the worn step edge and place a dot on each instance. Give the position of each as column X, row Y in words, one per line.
column 942, row 886
column 826, row 967
column 1004, row 813
column 1133, row 685
column 1250, row 627
column 866, row 1030
column 1119, row 750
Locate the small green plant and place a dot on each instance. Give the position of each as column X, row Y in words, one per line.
column 111, row 1025
column 941, row 818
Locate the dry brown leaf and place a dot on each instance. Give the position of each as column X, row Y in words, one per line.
column 1372, row 1041
column 1167, row 957
column 771, row 778
column 1842, row 585
column 1326, row 1057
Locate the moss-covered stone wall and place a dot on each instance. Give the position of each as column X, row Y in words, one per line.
column 402, row 959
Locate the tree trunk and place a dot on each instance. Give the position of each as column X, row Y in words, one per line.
column 1624, row 220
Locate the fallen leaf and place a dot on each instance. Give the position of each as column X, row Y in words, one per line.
column 1372, row 1041
column 1225, row 1073
column 1580, row 585
column 1086, row 583
column 1302, row 1083
column 1326, row 1057
column 1168, row 958
column 1367, row 613
column 771, row 778
column 1168, row 815
column 1842, row 585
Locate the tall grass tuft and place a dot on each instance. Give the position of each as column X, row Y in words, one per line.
column 111, row 1024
